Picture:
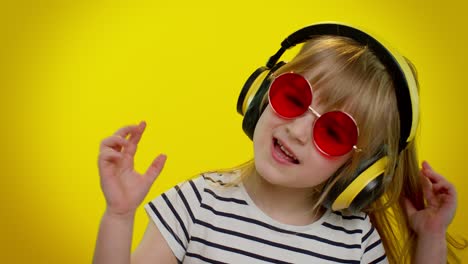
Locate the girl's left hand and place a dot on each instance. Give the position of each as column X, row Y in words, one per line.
column 441, row 198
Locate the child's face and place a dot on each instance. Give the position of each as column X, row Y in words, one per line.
column 308, row 168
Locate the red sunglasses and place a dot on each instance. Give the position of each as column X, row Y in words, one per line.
column 335, row 133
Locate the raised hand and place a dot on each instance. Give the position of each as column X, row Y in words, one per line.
column 441, row 198
column 123, row 187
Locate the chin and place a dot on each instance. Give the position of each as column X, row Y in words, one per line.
column 276, row 177
column 268, row 172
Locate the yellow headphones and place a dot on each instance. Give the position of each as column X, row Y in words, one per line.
column 358, row 191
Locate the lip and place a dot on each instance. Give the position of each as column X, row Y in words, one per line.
column 279, row 158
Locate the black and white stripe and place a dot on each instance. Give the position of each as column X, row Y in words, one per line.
column 205, row 222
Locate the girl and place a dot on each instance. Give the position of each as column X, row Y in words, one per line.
column 334, row 179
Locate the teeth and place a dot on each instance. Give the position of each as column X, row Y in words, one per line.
column 285, row 151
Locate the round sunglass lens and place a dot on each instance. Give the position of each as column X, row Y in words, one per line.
column 335, row 133
column 290, row 95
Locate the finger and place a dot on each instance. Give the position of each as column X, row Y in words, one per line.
column 444, row 187
column 448, row 202
column 409, row 207
column 135, row 139
column 443, row 197
column 439, row 182
column 109, row 156
column 155, row 168
column 447, row 206
column 113, row 142
column 129, row 151
column 124, row 131
column 430, row 173
column 426, row 165
column 427, row 190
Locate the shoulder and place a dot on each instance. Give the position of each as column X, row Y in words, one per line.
column 217, row 179
column 364, row 233
column 215, row 187
column 353, row 222
column 357, row 219
column 193, row 191
column 358, row 222
column 355, row 225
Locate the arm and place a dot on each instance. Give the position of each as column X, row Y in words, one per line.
column 114, row 239
column 153, row 246
column 430, row 223
column 431, row 249
column 124, row 189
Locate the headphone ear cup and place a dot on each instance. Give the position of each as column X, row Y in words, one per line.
column 254, row 108
column 254, row 111
column 247, row 90
column 362, row 188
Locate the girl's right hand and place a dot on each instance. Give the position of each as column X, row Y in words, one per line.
column 441, row 198
column 124, row 188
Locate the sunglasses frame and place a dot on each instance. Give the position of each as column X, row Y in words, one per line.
column 314, row 112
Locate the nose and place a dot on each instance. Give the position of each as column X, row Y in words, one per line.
column 300, row 128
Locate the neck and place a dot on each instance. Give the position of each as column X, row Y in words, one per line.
column 287, row 205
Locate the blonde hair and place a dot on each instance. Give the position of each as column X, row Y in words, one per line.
column 348, row 76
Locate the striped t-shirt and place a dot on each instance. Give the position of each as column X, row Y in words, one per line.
column 206, row 222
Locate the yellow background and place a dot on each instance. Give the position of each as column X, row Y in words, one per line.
column 73, row 73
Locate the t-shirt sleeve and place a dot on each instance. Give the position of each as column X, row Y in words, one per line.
column 373, row 250
column 173, row 213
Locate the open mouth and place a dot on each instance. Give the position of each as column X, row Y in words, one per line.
column 283, row 153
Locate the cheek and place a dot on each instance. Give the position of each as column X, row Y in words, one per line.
column 266, row 122
column 260, row 134
column 321, row 167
